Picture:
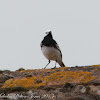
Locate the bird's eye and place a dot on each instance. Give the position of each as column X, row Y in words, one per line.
column 46, row 32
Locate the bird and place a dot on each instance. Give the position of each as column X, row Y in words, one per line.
column 51, row 50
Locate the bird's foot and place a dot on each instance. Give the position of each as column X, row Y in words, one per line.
column 54, row 67
column 44, row 68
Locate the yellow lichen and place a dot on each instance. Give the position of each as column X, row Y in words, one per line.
column 96, row 65
column 25, row 82
column 95, row 70
column 27, row 71
column 68, row 76
column 55, row 78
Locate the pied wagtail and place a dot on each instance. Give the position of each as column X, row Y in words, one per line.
column 51, row 50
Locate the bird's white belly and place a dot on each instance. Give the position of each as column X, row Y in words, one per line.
column 51, row 53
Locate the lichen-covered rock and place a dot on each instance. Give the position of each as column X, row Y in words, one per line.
column 68, row 76
column 68, row 83
column 38, row 81
column 25, row 83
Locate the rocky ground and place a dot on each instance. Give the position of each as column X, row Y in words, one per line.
column 68, row 83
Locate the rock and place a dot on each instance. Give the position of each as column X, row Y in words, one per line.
column 48, row 88
column 60, row 96
column 63, row 90
column 5, row 77
column 48, row 71
column 13, row 89
column 68, row 85
column 7, row 72
column 75, row 98
column 81, row 97
column 18, row 89
column 56, row 91
column 94, row 90
column 41, row 87
column 1, row 71
column 28, row 75
column 80, row 89
column 20, row 69
column 38, row 81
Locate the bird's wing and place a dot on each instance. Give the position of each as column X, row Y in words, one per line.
column 55, row 45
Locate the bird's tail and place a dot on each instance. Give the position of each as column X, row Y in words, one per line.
column 61, row 64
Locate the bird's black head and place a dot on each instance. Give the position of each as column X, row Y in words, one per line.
column 49, row 34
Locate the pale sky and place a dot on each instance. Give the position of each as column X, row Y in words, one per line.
column 75, row 25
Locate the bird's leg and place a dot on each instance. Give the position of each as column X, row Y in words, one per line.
column 55, row 64
column 47, row 64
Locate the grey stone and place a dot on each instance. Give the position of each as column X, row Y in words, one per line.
column 80, row 89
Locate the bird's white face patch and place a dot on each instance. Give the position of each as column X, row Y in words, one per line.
column 47, row 32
